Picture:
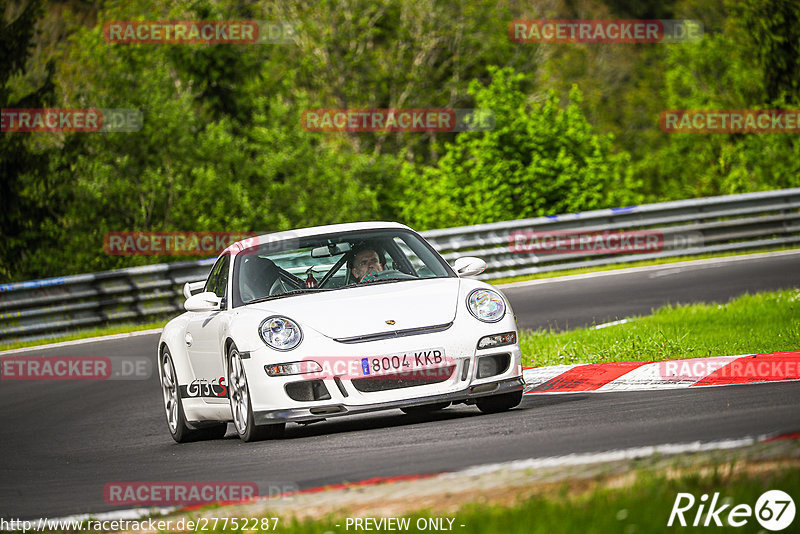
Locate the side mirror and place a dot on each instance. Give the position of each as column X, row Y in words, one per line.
column 469, row 266
column 191, row 287
column 202, row 302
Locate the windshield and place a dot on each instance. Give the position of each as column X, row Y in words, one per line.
column 333, row 261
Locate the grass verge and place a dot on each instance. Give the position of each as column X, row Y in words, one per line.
column 85, row 334
column 751, row 324
column 644, row 507
column 637, row 499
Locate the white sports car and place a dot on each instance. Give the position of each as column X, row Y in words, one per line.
column 321, row 322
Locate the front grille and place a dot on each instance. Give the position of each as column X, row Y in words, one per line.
column 395, row 333
column 389, row 382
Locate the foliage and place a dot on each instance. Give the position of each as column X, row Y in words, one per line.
column 774, row 29
column 211, row 155
column 23, row 165
column 539, row 159
column 727, row 70
column 222, row 147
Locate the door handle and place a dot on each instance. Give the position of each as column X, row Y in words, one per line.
column 188, row 339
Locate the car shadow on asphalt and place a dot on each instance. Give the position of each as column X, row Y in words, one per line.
column 374, row 421
column 395, row 418
column 540, row 400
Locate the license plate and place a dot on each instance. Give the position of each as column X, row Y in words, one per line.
column 401, row 363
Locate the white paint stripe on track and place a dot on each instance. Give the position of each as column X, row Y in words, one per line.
column 612, row 323
column 514, row 465
column 608, row 456
column 74, row 342
column 663, row 266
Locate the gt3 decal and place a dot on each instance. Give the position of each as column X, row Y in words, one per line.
column 204, row 388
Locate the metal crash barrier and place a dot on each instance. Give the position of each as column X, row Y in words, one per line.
column 752, row 221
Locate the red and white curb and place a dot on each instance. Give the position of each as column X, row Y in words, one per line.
column 668, row 374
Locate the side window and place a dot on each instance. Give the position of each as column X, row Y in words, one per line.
column 422, row 260
column 218, row 278
column 410, row 255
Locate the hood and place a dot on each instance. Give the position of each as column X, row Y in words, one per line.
column 365, row 309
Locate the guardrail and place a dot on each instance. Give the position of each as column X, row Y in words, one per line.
column 39, row 308
column 687, row 227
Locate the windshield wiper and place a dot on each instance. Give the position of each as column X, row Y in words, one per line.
column 289, row 293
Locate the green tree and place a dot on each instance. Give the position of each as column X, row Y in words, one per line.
column 728, row 69
column 23, row 164
column 540, row 159
column 395, row 54
column 214, row 153
column 773, row 28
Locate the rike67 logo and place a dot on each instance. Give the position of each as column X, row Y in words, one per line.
column 774, row 510
column 205, row 388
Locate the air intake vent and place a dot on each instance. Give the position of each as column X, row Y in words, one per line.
column 493, row 365
column 307, row 390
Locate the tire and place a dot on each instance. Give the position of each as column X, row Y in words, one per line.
column 499, row 403
column 179, row 428
column 425, row 408
column 242, row 409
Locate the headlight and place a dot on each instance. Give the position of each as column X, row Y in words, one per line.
column 486, row 305
column 280, row 333
column 497, row 340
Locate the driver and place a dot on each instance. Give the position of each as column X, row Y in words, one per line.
column 363, row 261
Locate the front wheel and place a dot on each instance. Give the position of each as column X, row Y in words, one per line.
column 499, row 403
column 179, row 428
column 242, row 409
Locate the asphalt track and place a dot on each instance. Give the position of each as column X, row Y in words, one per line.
column 61, row 442
column 606, row 296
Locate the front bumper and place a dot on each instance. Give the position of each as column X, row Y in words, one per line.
column 324, row 411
